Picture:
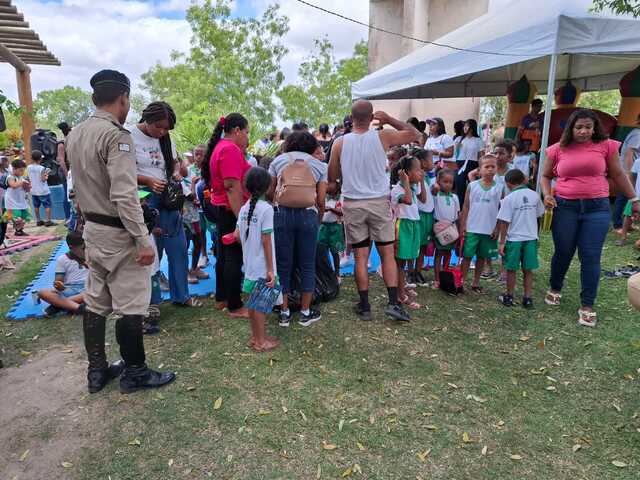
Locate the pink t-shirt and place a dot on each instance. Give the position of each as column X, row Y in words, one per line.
column 581, row 168
column 227, row 162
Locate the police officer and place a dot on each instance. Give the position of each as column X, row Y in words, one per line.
column 119, row 251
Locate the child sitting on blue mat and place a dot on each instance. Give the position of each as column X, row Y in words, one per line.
column 71, row 275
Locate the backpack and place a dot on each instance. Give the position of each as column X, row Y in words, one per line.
column 450, row 278
column 446, row 233
column 296, row 186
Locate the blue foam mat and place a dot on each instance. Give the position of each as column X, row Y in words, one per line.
column 26, row 308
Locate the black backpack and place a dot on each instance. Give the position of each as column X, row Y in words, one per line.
column 47, row 143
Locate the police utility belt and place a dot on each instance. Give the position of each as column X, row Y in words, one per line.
column 101, row 219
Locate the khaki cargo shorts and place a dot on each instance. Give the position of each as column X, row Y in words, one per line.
column 368, row 219
column 116, row 283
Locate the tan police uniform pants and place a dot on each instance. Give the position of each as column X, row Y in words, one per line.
column 116, row 283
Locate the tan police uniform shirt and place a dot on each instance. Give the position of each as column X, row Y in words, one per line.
column 105, row 179
column 103, row 164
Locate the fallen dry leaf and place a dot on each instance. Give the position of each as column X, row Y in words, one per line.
column 24, row 353
column 189, row 389
column 619, row 464
column 67, row 464
column 515, row 457
column 135, row 441
column 525, row 338
column 304, row 417
column 347, row 472
column 319, row 473
column 217, row 404
column 24, row 455
column 170, row 462
column 423, row 456
column 431, row 427
column 264, row 412
column 360, row 447
column 466, row 438
column 484, row 450
column 475, row 398
column 328, row 446
column 576, row 447
column 551, row 388
column 285, row 409
column 340, row 425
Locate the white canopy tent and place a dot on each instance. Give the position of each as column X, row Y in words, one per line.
column 549, row 41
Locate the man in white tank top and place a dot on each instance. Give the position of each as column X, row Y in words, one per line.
column 359, row 162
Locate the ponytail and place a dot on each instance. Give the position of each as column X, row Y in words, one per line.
column 224, row 125
column 257, row 181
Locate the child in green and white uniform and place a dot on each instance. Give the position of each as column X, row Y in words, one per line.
column 407, row 177
column 446, row 209
column 479, row 218
column 518, row 225
column 331, row 231
column 426, row 215
column 628, row 209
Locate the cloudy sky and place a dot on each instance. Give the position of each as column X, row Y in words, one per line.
column 133, row 35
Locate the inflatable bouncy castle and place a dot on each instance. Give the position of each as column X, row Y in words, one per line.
column 521, row 92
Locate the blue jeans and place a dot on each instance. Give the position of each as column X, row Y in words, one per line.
column 581, row 225
column 618, row 208
column 174, row 242
column 296, row 235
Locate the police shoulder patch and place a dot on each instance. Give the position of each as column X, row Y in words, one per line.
column 124, row 147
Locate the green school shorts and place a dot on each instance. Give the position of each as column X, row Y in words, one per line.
column 426, row 228
column 407, row 239
column 482, row 246
column 331, row 235
column 521, row 254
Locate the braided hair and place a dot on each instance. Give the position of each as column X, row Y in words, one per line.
column 157, row 112
column 257, row 181
column 405, row 163
column 224, row 125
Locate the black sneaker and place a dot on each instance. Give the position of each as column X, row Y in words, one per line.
column 313, row 317
column 50, row 224
column 40, row 223
column 506, row 300
column 51, row 311
column 420, row 280
column 363, row 313
column 397, row 313
column 284, row 319
column 527, row 302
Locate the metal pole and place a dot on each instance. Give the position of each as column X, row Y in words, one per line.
column 553, row 63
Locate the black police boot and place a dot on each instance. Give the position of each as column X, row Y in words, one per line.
column 99, row 372
column 136, row 376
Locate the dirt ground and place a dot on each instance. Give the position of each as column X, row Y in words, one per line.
column 46, row 415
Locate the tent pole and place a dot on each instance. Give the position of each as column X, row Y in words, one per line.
column 553, row 62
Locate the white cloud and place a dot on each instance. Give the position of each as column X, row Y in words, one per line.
column 88, row 36
column 307, row 24
column 131, row 36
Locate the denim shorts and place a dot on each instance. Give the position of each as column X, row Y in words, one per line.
column 41, row 200
column 72, row 290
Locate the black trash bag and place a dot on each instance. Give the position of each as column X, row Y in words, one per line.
column 327, row 287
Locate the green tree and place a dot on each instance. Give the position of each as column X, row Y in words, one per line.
column 493, row 110
column 323, row 91
column 606, row 100
column 233, row 66
column 67, row 104
column 619, row 7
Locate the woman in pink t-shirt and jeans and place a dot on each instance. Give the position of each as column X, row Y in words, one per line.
column 581, row 163
column 223, row 174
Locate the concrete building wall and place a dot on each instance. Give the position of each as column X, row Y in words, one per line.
column 423, row 19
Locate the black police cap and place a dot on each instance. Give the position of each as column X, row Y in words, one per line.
column 110, row 79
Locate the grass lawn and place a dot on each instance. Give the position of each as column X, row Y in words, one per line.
column 468, row 389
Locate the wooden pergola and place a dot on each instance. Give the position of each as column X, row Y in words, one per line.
column 20, row 46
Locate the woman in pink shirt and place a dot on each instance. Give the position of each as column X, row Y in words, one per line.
column 581, row 163
column 223, row 174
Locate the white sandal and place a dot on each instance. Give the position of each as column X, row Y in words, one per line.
column 552, row 298
column 587, row 318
